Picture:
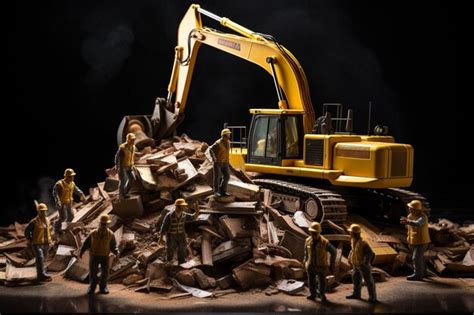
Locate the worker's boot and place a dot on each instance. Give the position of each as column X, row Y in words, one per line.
column 414, row 277
column 226, row 194
column 323, row 298
column 91, row 289
column 104, row 290
column 218, row 194
column 353, row 296
column 44, row 277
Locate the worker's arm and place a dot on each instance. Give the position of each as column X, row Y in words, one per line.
column 368, row 254
column 164, row 227
column 29, row 231
column 118, row 158
column 332, row 251
column 113, row 246
column 212, row 151
column 79, row 192
column 418, row 222
column 56, row 193
column 86, row 245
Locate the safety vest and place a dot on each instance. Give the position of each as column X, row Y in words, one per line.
column 128, row 154
column 41, row 231
column 100, row 242
column 177, row 225
column 418, row 235
column 222, row 151
column 357, row 255
column 67, row 189
column 321, row 252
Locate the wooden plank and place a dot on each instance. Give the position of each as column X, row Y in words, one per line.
column 103, row 193
column 200, row 192
column 285, row 222
column 17, row 245
column 16, row 274
column 86, row 209
column 242, row 190
column 20, row 229
column 235, row 227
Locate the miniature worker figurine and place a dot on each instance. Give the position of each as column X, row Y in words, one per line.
column 124, row 162
column 38, row 232
column 62, row 194
column 316, row 261
column 360, row 258
column 418, row 237
column 220, row 156
column 173, row 227
column 100, row 243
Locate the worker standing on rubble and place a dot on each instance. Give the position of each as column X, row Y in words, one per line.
column 173, row 227
column 220, row 157
column 360, row 258
column 38, row 232
column 100, row 243
column 418, row 237
column 63, row 197
column 124, row 162
column 316, row 261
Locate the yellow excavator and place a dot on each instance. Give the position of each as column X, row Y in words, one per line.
column 325, row 170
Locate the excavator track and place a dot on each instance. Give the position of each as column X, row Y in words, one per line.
column 318, row 204
column 333, row 203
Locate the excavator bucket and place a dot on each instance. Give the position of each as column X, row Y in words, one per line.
column 150, row 129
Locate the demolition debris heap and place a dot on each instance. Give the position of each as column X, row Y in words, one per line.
column 244, row 241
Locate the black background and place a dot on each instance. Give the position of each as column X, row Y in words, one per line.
column 75, row 68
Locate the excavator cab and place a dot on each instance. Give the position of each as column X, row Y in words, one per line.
column 275, row 137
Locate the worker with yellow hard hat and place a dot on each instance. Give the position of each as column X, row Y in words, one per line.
column 173, row 227
column 220, row 156
column 38, row 232
column 360, row 258
column 316, row 261
column 63, row 192
column 124, row 162
column 418, row 237
column 100, row 242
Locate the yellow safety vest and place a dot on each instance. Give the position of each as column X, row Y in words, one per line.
column 41, row 231
column 177, row 225
column 356, row 257
column 221, row 151
column 65, row 195
column 321, row 252
column 100, row 242
column 128, row 154
column 418, row 235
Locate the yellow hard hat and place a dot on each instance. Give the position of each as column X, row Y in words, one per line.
column 315, row 227
column 415, row 204
column 42, row 207
column 131, row 136
column 180, row 202
column 69, row 172
column 225, row 131
column 104, row 219
column 355, row 228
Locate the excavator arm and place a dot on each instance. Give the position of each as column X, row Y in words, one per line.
column 263, row 50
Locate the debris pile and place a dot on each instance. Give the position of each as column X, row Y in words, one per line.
column 239, row 242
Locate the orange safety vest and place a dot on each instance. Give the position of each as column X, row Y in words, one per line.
column 100, row 242
column 418, row 235
column 65, row 195
column 128, row 154
column 41, row 231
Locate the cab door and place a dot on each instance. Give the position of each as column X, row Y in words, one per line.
column 265, row 140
